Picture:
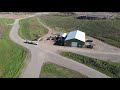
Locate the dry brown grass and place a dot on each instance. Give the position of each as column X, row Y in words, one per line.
column 15, row 15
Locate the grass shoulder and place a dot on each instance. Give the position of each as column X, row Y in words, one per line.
column 109, row 68
column 50, row 70
column 31, row 29
column 11, row 55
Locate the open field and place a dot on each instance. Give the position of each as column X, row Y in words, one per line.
column 107, row 31
column 7, row 21
column 14, row 15
column 111, row 69
column 50, row 70
column 11, row 54
column 31, row 29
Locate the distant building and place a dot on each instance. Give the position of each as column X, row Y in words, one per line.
column 75, row 39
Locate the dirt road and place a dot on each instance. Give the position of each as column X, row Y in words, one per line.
column 40, row 55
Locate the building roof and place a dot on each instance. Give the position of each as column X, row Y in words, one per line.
column 76, row 35
column 63, row 34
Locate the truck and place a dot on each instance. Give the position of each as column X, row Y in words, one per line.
column 31, row 42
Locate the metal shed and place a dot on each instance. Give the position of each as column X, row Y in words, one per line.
column 75, row 39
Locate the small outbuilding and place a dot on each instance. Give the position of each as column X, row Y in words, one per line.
column 75, row 39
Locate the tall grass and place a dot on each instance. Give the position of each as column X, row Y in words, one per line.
column 50, row 70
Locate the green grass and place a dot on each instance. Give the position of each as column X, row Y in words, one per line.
column 107, row 31
column 11, row 54
column 7, row 21
column 111, row 69
column 30, row 29
column 50, row 70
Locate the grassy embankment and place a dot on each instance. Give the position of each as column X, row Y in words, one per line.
column 107, row 31
column 31, row 29
column 11, row 54
column 50, row 70
column 111, row 69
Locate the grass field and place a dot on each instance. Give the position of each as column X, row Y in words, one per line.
column 50, row 70
column 107, row 31
column 30, row 29
column 6, row 21
column 109, row 68
column 11, row 54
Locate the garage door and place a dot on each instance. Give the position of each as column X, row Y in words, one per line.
column 74, row 44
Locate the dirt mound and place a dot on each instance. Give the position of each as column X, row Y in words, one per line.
column 96, row 15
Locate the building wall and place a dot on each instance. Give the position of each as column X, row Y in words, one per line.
column 68, row 42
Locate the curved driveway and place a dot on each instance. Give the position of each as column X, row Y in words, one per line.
column 40, row 55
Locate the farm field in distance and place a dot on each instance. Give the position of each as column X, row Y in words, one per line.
column 107, row 31
column 11, row 54
column 31, row 29
column 50, row 70
column 111, row 69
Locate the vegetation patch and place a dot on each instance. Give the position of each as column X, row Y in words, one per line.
column 50, row 70
column 31, row 29
column 7, row 21
column 111, row 69
column 107, row 31
column 11, row 54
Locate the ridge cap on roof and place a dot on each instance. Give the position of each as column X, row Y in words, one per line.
column 75, row 32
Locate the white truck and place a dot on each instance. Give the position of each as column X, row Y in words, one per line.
column 31, row 42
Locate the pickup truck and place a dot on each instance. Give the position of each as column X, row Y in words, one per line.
column 31, row 42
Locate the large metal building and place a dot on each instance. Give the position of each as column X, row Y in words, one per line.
column 75, row 39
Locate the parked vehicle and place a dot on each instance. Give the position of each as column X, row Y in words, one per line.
column 89, row 46
column 31, row 42
column 48, row 38
column 28, row 41
column 89, row 40
column 53, row 39
column 35, row 43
